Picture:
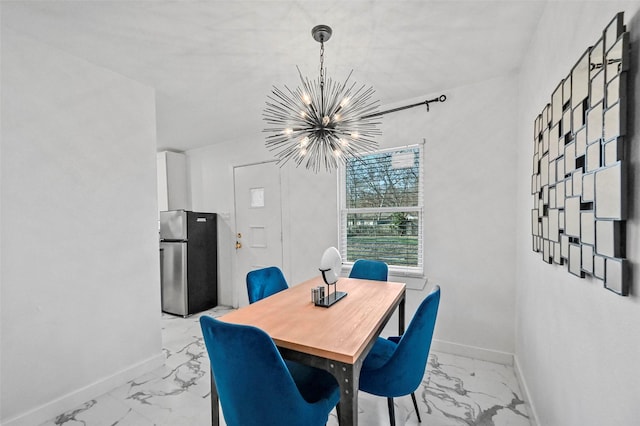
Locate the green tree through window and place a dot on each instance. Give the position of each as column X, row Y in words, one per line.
column 381, row 208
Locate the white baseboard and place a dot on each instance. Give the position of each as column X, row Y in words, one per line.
column 533, row 416
column 483, row 354
column 73, row 399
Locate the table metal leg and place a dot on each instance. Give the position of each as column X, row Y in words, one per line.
column 348, row 377
column 401, row 317
column 215, row 410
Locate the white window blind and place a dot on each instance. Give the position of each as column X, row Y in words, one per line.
column 381, row 209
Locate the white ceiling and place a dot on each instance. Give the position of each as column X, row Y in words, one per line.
column 213, row 63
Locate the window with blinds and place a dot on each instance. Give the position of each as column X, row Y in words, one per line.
column 381, row 209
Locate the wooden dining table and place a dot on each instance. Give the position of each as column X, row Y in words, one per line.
column 336, row 339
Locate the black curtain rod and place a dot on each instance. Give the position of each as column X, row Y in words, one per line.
column 440, row 98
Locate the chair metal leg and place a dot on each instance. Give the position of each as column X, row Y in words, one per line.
column 392, row 414
column 415, row 405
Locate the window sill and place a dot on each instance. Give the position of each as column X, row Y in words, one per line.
column 415, row 280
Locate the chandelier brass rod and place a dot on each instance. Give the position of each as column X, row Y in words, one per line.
column 440, row 98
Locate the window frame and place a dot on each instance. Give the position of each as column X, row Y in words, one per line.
column 343, row 211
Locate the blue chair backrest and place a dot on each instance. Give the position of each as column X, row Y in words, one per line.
column 369, row 270
column 253, row 382
column 409, row 360
column 264, row 282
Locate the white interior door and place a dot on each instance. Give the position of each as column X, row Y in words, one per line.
column 258, row 222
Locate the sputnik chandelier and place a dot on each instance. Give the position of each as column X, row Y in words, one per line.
column 322, row 122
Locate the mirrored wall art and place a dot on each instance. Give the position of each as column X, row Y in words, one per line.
column 579, row 180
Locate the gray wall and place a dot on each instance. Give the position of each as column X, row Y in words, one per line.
column 577, row 344
column 80, row 268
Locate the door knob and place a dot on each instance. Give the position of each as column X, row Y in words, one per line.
column 238, row 245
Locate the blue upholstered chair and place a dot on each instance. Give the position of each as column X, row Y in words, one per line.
column 369, row 270
column 395, row 367
column 256, row 387
column 264, row 282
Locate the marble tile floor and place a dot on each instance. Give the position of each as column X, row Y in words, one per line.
column 455, row 391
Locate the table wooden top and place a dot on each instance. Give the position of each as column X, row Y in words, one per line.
column 340, row 332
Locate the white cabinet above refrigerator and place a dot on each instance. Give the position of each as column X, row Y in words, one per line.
column 172, row 181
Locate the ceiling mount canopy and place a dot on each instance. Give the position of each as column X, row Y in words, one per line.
column 322, row 122
column 321, row 33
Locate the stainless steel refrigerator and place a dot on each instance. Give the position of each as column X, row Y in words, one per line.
column 189, row 278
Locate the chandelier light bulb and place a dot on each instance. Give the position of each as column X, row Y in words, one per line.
column 304, row 141
column 288, row 131
column 306, row 99
column 355, row 135
column 344, row 102
column 325, row 120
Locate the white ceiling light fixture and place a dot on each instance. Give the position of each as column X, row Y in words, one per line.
column 321, row 123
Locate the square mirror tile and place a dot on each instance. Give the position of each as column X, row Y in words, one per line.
column 572, row 216
column 609, row 193
column 615, row 276
column 587, row 258
column 546, row 251
column 557, row 255
column 575, row 260
column 613, row 152
column 617, row 60
column 608, row 238
column 556, row 105
column 569, row 157
column 593, row 157
column 580, row 80
column 613, row 31
column 597, row 87
column 588, row 190
column 613, row 127
column 581, row 141
column 598, row 266
column 587, row 227
column 554, row 225
column 564, row 246
column 594, row 123
column 577, row 182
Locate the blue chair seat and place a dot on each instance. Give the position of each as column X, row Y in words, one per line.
column 379, row 355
